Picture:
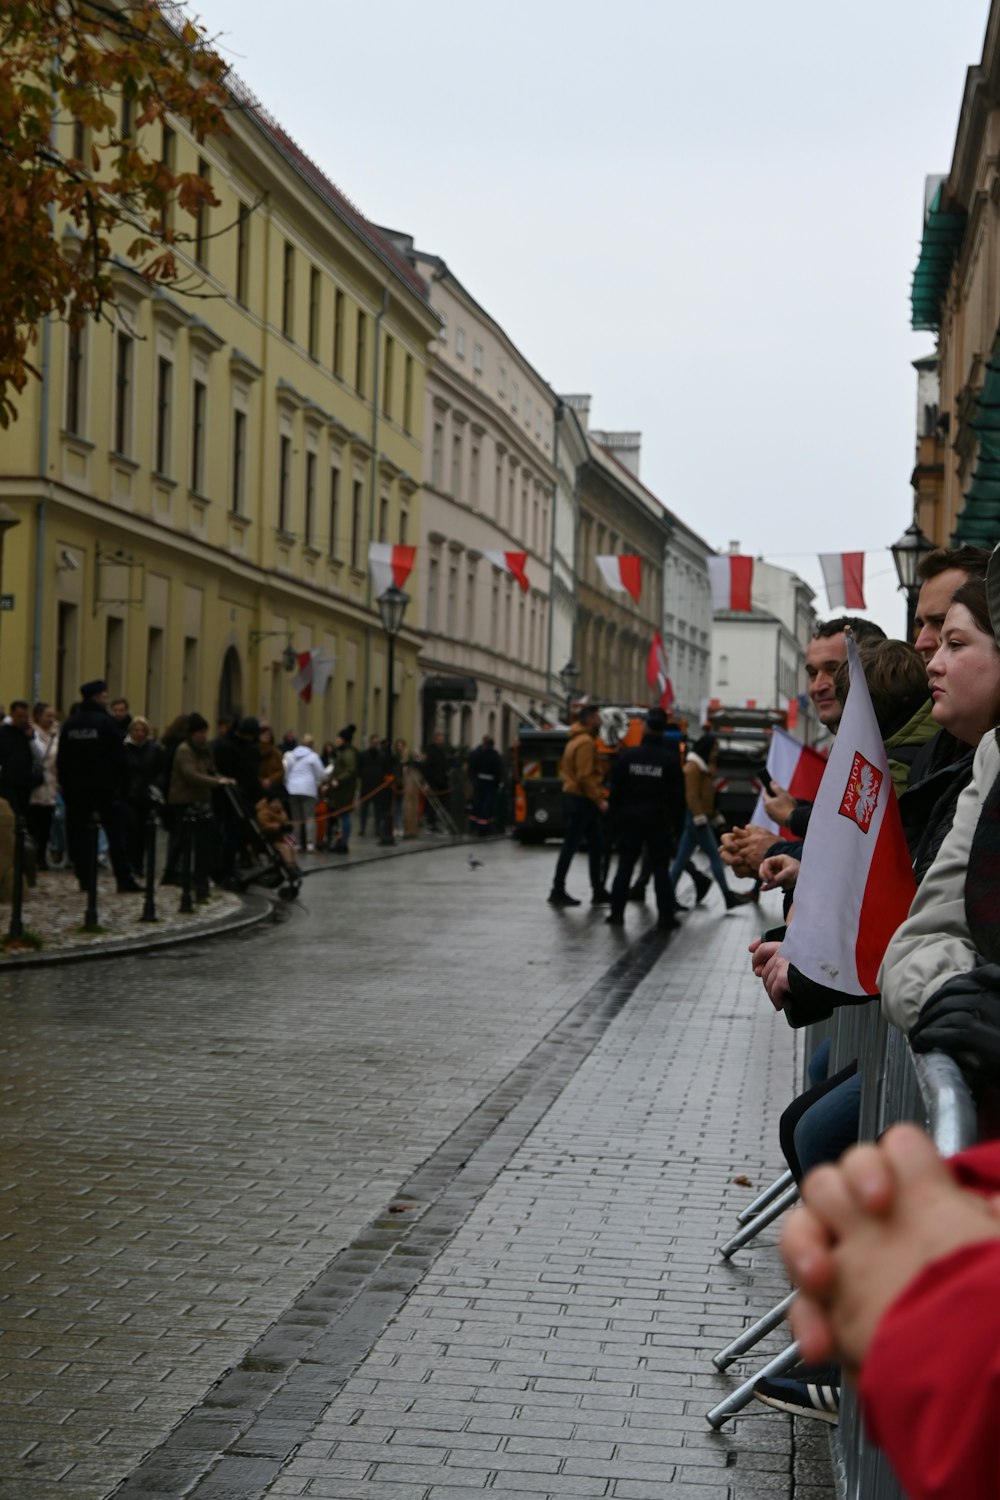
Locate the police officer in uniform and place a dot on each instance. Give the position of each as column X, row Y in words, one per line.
column 93, row 774
column 647, row 808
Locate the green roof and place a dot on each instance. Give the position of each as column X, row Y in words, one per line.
column 979, row 520
column 943, row 230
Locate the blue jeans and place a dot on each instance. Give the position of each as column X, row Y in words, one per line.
column 583, row 821
column 704, row 839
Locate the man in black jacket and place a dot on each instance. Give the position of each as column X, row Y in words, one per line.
column 93, row 775
column 486, row 774
column 19, row 771
column 647, row 806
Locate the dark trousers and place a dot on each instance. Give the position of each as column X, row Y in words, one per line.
column 583, row 821
column 655, row 838
column 822, row 1123
column 484, row 798
column 40, row 826
column 78, row 839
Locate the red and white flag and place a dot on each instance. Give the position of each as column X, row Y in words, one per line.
column 856, row 881
column 622, row 574
column 657, row 675
column 796, row 767
column 731, row 580
column 313, row 675
column 844, row 577
column 390, row 564
column 511, row 562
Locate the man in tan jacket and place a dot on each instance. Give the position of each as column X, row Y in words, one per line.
column 583, row 793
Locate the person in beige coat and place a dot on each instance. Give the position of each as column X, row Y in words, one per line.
column 702, row 818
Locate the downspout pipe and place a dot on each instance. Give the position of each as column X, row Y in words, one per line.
column 41, row 515
column 552, row 548
column 372, row 502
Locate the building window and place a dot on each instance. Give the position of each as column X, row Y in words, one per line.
column 74, row 380
column 502, row 381
column 333, row 547
column 443, row 331
column 284, row 481
column 433, row 569
column 498, row 488
column 527, row 411
column 408, row 394
column 168, row 158
column 451, row 617
column 123, row 395
column 356, row 502
column 201, row 217
column 474, row 475
column 164, row 414
column 198, row 411
column 495, row 611
column 459, row 343
column 477, row 358
column 337, row 364
column 456, row 465
column 80, row 152
column 437, row 444
column 387, row 378
column 470, row 605
column 288, row 290
column 513, row 396
column 309, row 522
column 404, row 525
column 242, row 253
column 314, row 295
column 239, row 462
column 383, row 518
column 360, row 371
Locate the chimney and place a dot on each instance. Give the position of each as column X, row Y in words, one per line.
column 626, row 447
column 581, row 405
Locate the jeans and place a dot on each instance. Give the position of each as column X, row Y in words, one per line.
column 819, row 1125
column 303, row 818
column 704, row 839
column 583, row 821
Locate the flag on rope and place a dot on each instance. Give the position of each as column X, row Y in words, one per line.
column 731, row 580
column 622, row 574
column 313, row 674
column 657, row 675
column 856, row 881
column 389, row 564
column 844, row 577
column 511, row 562
column 796, row 767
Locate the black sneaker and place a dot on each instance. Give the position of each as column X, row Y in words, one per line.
column 702, row 886
column 615, row 919
column 562, row 898
column 636, row 893
column 669, row 923
column 600, row 898
column 805, row 1391
column 737, row 898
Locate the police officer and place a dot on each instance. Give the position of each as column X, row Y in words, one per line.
column 647, row 808
column 93, row 775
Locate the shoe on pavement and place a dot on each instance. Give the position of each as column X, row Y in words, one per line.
column 737, row 898
column 669, row 923
column 805, row 1391
column 702, row 886
column 562, row 898
column 128, row 887
column 636, row 893
column 615, row 919
column 601, row 898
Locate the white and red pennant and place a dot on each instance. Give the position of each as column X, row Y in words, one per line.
column 513, row 563
column 390, row 563
column 657, row 675
column 844, row 577
column 731, row 580
column 622, row 573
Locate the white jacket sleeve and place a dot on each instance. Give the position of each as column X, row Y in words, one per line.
column 933, row 944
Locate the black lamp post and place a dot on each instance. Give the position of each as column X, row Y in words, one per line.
column 391, row 607
column 906, row 554
column 568, row 680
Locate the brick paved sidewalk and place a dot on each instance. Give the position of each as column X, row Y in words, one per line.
column 561, row 1344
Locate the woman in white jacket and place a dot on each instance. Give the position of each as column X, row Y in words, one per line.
column 304, row 774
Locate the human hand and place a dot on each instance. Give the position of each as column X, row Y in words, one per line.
column 779, row 804
column 865, row 1230
column 779, row 871
column 775, row 980
column 761, row 953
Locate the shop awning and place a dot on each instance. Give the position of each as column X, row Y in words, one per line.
column 943, row 231
column 978, row 522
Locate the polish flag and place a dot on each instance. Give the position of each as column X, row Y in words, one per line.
column 313, row 675
column 511, row 562
column 794, row 766
column 622, row 574
column 856, row 881
column 844, row 577
column 657, row 676
column 731, row 580
column 389, row 564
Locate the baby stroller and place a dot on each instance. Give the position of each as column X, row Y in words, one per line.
column 274, row 864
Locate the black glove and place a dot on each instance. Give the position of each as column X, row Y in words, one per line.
column 963, row 1019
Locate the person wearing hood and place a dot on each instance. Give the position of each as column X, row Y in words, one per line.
column 304, row 774
column 344, row 783
column 586, row 802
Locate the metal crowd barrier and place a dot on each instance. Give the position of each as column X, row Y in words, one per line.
column 895, row 1085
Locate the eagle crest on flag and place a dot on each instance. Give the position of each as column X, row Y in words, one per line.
column 861, row 794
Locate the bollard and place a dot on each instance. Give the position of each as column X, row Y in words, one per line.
column 16, row 928
column 149, row 904
column 187, row 839
column 90, row 919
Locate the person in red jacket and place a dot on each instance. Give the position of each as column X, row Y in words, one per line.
column 897, row 1256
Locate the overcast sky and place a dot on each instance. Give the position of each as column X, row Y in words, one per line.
column 706, row 215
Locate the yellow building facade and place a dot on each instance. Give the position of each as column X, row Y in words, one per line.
column 193, row 485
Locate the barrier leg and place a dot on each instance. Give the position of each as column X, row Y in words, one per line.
column 743, row 1394
column 763, row 1199
column 753, row 1334
column 760, row 1221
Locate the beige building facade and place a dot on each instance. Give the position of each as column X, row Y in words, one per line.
column 194, row 483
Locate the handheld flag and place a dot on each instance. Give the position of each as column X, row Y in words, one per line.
column 796, row 767
column 657, row 675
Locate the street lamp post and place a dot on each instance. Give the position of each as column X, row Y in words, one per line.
column 906, row 554
column 391, row 607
